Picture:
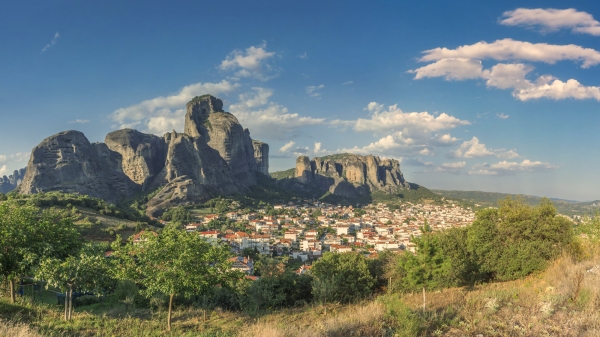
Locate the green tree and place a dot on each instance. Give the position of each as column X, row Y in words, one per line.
column 348, row 274
column 178, row 214
column 28, row 235
column 174, row 263
column 517, row 239
column 87, row 271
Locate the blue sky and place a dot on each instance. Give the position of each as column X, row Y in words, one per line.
column 470, row 95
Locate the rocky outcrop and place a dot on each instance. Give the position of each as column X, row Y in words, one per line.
column 143, row 155
column 10, row 183
column 222, row 131
column 68, row 162
column 215, row 155
column 261, row 156
column 304, row 172
column 350, row 175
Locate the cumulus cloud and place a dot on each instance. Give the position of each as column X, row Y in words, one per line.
column 451, row 167
column 402, row 133
column 303, row 56
column 269, row 119
column 507, row 167
column 251, row 62
column 287, row 146
column 347, row 82
column 551, row 19
column 383, row 119
column 451, row 69
column 312, row 90
column 513, row 76
column 474, row 149
column 156, row 115
column 509, row 49
column 52, row 43
column 502, row 116
column 3, row 170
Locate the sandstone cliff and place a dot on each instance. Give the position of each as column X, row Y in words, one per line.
column 11, row 182
column 215, row 155
column 349, row 175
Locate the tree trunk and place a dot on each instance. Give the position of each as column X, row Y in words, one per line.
column 12, row 291
column 66, row 305
column 70, row 302
column 170, row 313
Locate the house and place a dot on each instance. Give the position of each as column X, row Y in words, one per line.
column 211, row 236
column 243, row 264
column 142, row 236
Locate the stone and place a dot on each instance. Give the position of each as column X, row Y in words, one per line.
column 68, row 162
column 261, row 156
column 303, row 170
column 10, row 183
column 143, row 155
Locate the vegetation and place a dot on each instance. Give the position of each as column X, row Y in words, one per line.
column 467, row 281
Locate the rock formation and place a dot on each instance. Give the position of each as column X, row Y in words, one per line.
column 143, row 155
column 11, row 182
column 214, row 155
column 261, row 156
column 349, row 175
column 68, row 162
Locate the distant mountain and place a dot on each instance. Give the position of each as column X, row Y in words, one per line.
column 480, row 199
column 11, row 182
column 348, row 178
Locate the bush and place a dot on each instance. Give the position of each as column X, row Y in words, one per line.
column 342, row 277
column 87, row 300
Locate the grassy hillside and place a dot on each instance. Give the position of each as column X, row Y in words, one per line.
column 561, row 301
column 283, row 174
column 490, row 199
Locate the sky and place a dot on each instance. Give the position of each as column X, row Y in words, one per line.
column 469, row 95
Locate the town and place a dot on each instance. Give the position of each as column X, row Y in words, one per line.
column 305, row 229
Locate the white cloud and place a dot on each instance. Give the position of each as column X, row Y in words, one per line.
column 474, row 149
column 444, row 140
column 156, row 116
column 13, row 161
column 52, row 43
column 512, row 76
column 268, row 119
column 303, row 56
column 502, row 116
column 79, row 121
column 287, row 146
column 347, row 82
column 451, row 167
column 394, row 118
column 509, row 49
column 451, row 69
column 312, row 90
column 552, row 19
column 250, row 63
column 471, row 149
column 548, row 87
column 507, row 168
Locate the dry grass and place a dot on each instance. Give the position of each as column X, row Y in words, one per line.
column 10, row 329
column 363, row 319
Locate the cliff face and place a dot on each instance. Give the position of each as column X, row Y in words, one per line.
column 10, row 183
column 214, row 155
column 261, row 156
column 350, row 175
column 68, row 162
column 143, row 155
